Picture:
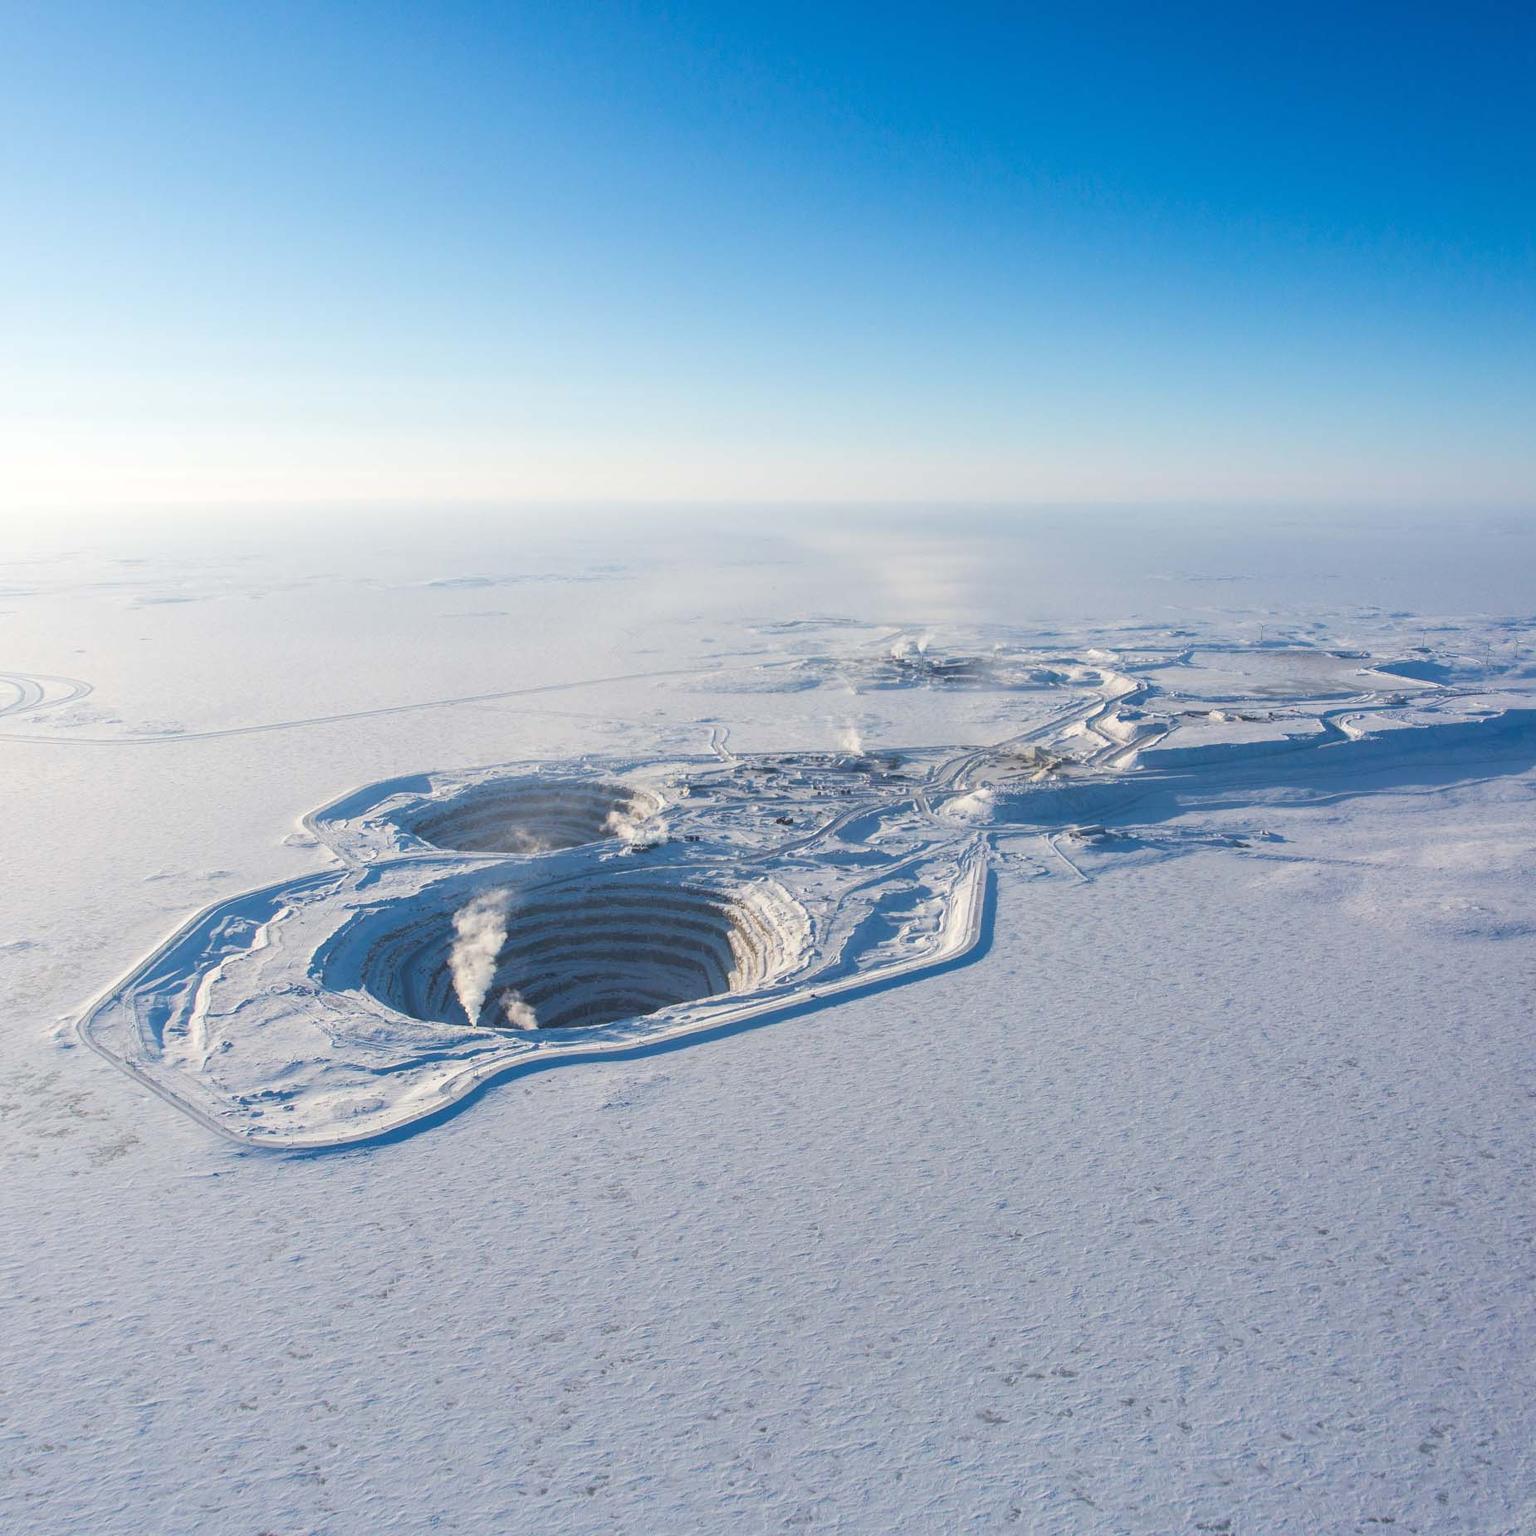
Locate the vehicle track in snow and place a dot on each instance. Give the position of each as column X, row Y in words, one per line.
column 170, row 738
column 38, row 690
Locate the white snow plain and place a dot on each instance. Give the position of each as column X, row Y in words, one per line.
column 1192, row 1196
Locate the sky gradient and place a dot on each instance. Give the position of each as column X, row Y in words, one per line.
column 363, row 251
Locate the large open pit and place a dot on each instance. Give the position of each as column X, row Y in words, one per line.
column 533, row 815
column 585, row 953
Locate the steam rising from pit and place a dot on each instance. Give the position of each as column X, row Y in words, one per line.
column 532, row 815
column 479, row 932
column 618, row 943
column 636, row 828
column 519, row 1011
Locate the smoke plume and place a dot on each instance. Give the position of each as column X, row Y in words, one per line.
column 521, row 840
column 518, row 1009
column 479, row 931
column 636, row 830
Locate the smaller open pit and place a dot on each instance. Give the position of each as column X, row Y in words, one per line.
column 533, row 815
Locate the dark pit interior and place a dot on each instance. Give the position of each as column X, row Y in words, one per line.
column 531, row 815
column 586, row 954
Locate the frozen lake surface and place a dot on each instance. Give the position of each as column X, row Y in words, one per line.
column 1043, row 1009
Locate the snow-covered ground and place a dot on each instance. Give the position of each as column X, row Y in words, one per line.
column 1175, row 1177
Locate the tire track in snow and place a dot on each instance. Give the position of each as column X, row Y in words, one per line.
column 34, row 691
column 345, row 715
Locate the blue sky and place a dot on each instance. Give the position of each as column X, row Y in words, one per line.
column 311, row 252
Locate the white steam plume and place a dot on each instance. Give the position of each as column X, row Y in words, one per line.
column 631, row 830
column 904, row 645
column 851, row 741
column 521, row 840
column 518, row 1009
column 479, row 931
